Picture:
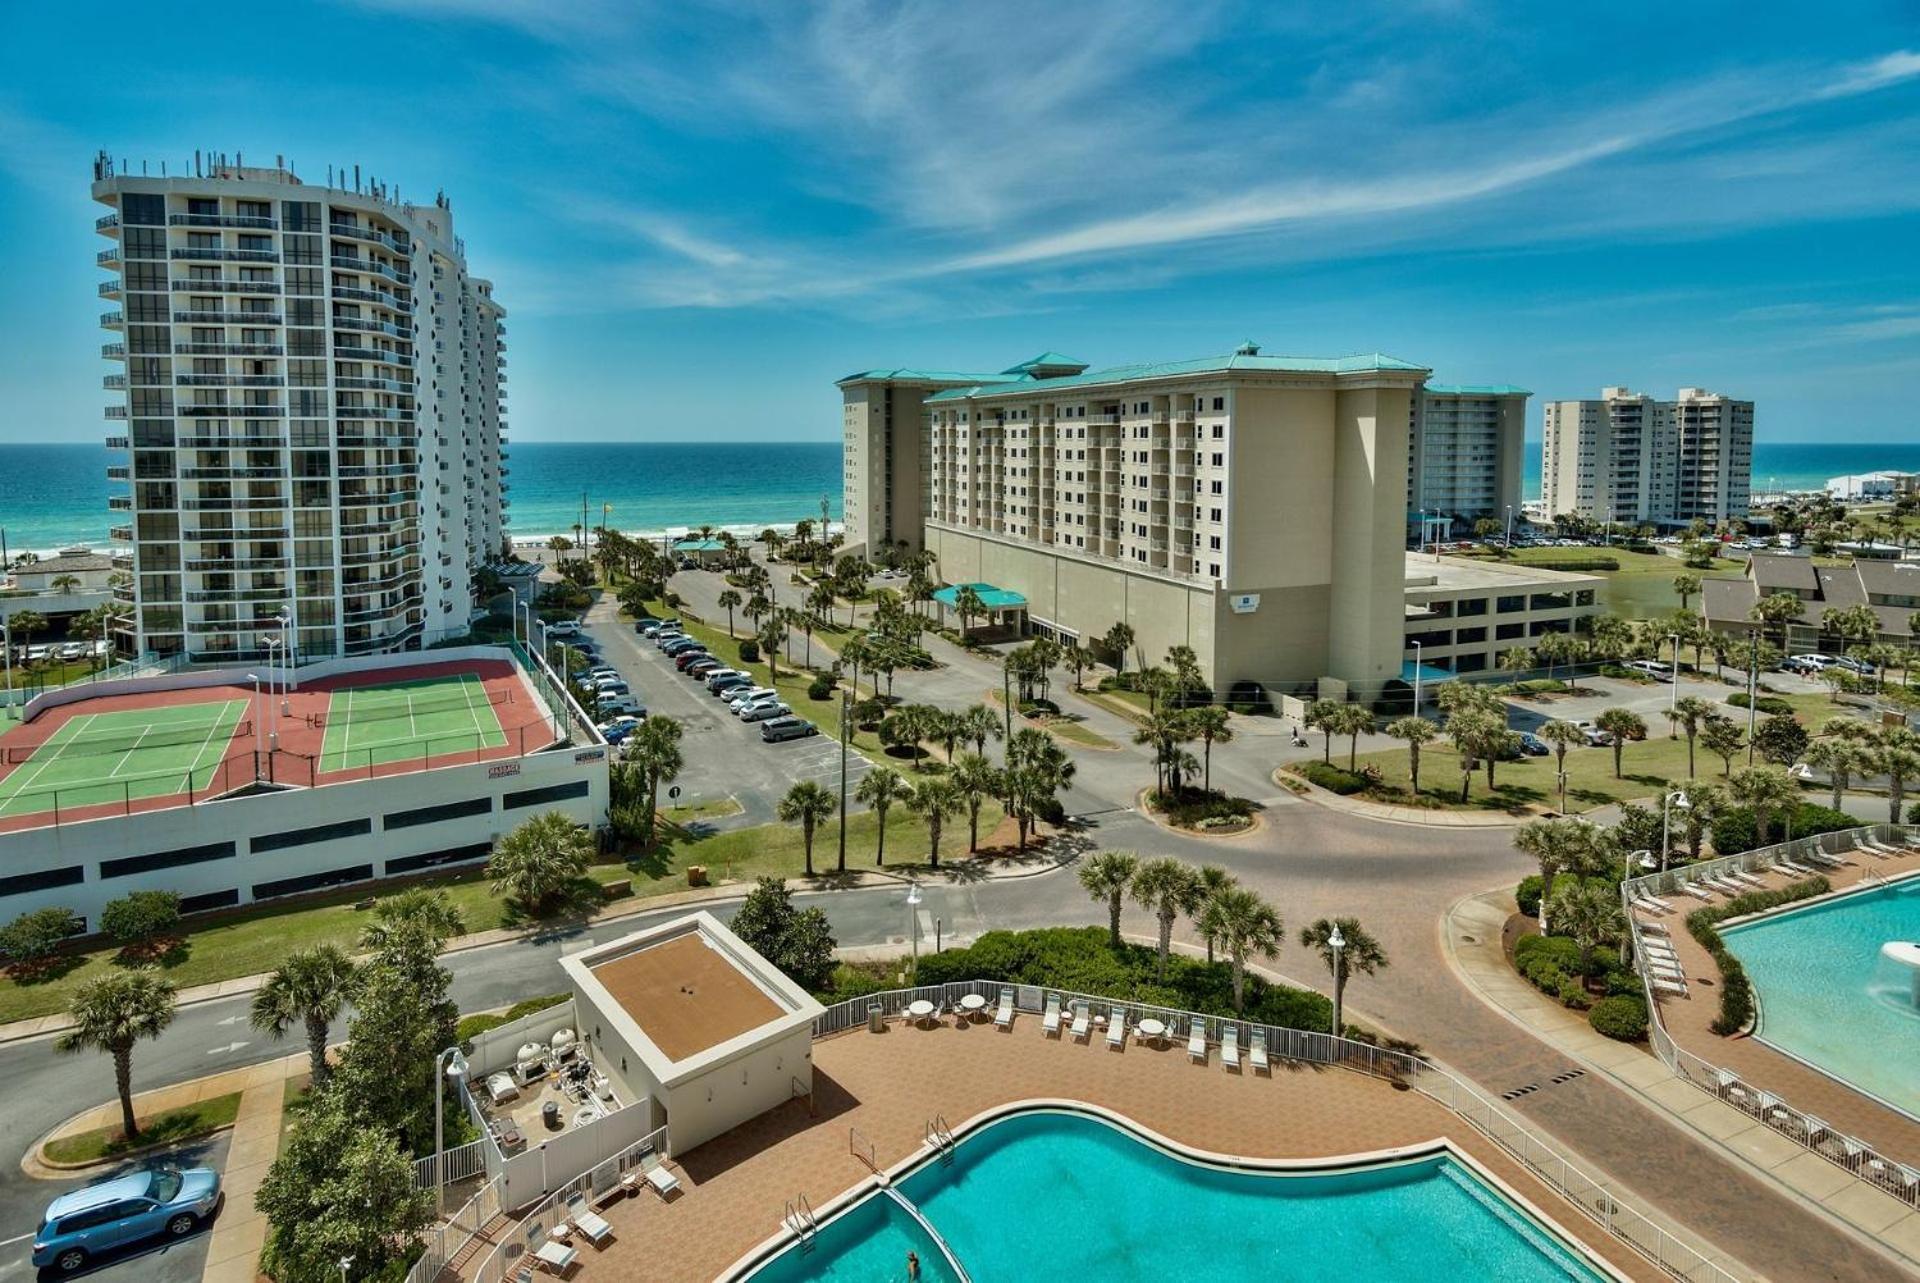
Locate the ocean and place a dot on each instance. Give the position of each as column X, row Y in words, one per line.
column 55, row 496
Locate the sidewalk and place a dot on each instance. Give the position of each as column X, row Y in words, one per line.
column 1868, row 1214
column 1057, row 853
column 240, row 1231
column 1400, row 814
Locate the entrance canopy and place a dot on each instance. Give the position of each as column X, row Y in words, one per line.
column 992, row 598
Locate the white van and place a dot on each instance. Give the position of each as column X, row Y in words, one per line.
column 1653, row 668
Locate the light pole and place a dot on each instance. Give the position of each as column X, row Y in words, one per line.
column 1673, row 684
column 259, row 745
column 345, row 1263
column 1336, row 942
column 1416, row 678
column 1676, row 800
column 6, row 649
column 454, row 1066
column 1509, row 529
column 287, row 644
column 273, row 666
column 913, row 925
column 1753, row 680
column 846, row 729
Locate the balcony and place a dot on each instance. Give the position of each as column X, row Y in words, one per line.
column 113, row 382
column 113, row 351
column 251, row 222
column 234, row 441
column 229, row 349
column 110, row 289
column 116, row 443
column 119, row 472
column 230, row 474
column 244, row 503
column 349, row 263
column 116, row 412
column 235, row 534
column 210, row 254
column 354, row 232
column 229, row 380
column 112, row 321
column 379, row 298
column 119, row 503
column 107, row 223
column 108, row 257
column 216, row 564
column 372, row 354
column 239, row 594
column 226, row 318
column 120, row 534
column 191, row 286
column 228, row 410
column 372, row 327
column 374, row 412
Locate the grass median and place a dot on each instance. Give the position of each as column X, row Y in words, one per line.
column 1529, row 784
column 166, row 1128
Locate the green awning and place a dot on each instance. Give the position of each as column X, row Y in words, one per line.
column 993, row 598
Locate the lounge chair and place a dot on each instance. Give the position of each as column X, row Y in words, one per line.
column 1197, row 1039
column 1726, row 886
column 1694, row 891
column 1655, row 928
column 588, row 1221
column 1676, row 988
column 1651, row 904
column 1741, row 875
column 663, row 1181
column 1257, row 1051
column 1230, row 1047
column 523, row 1275
column 556, row 1258
column 1117, row 1027
column 1051, row 1022
column 1082, row 1021
column 1003, row 1018
column 1788, row 866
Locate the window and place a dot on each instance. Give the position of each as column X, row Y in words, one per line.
column 551, row 793
column 209, row 900
column 45, row 880
column 1509, row 632
column 435, row 814
column 1511, row 604
column 312, row 881
column 143, row 208
column 1470, row 606
column 302, row 837
column 1467, row 636
column 1219, row 460
column 167, row 859
column 1219, row 403
column 1215, row 487
column 1213, row 568
column 434, row 859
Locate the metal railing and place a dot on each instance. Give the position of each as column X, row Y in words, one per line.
column 450, row 1237
column 463, row 1162
column 1808, row 1131
column 1621, row 1215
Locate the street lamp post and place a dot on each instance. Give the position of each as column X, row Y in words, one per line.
column 1336, row 942
column 259, row 745
column 345, row 1263
column 1673, row 686
column 273, row 668
column 1676, row 800
column 846, row 725
column 454, row 1066
column 1416, row 678
column 1509, row 529
column 287, row 644
column 913, row 926
column 6, row 650
column 1753, row 680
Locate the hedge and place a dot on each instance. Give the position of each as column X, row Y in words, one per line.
column 1771, row 704
column 1736, row 830
column 1332, row 778
column 1084, row 959
column 1551, row 964
column 1622, row 1016
column 471, row 1027
column 1736, row 991
column 749, row 651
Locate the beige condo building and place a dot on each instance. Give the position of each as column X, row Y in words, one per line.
column 1465, row 451
column 1249, row 506
column 1630, row 458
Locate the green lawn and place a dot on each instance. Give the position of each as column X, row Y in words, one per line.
column 778, row 850
column 1643, row 586
column 1529, row 783
column 1074, row 733
column 713, row 809
column 167, row 1128
column 49, row 673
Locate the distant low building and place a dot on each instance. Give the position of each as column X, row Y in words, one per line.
column 1890, row 588
column 91, row 569
column 1873, row 485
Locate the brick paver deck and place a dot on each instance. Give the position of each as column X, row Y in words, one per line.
column 886, row 1086
column 1688, row 1019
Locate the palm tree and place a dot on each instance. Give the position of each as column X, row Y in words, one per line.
column 64, row 583
column 111, row 1014
column 655, row 750
column 1117, row 640
column 880, row 790
column 933, row 800
column 1766, row 790
column 1212, row 724
column 1244, row 924
column 1839, row 757
column 772, row 635
column 1359, row 953
column 1590, row 913
column 539, row 859
column 1558, row 845
column 1563, row 735
column 1686, row 584
column 309, row 988
column 1689, row 714
column 1621, row 725
column 1107, row 876
column 1213, row 880
column 1323, row 715
column 1415, row 731
column 1516, row 659
column 1899, row 761
column 976, row 779
column 1169, row 888
column 808, row 805
column 967, row 603
column 419, row 912
column 1777, row 610
column 729, row 598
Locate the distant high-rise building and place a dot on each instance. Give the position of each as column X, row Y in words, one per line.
column 1466, row 451
column 1632, row 459
column 313, row 398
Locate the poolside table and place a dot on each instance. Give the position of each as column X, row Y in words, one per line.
column 921, row 1010
column 973, row 1004
column 1152, row 1029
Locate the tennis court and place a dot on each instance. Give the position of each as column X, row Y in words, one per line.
column 121, row 756
column 368, row 726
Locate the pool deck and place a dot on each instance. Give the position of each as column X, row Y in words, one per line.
column 735, row 1188
column 1806, row 1089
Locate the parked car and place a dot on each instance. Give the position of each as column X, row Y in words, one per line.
column 687, row 655
column 702, row 666
column 719, row 675
column 611, row 686
column 648, row 627
column 1532, row 745
column 71, row 651
column 602, row 670
column 786, row 728
column 609, row 704
column 619, row 728
column 1595, row 737
column 764, row 710
column 751, row 695
column 678, row 644
column 1848, row 662
column 1806, row 665
column 1652, row 668
column 564, row 628
column 83, row 1224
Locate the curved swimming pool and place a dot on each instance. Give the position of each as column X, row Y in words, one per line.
column 1058, row 1194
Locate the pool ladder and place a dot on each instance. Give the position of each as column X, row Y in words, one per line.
column 800, row 1219
column 940, row 1136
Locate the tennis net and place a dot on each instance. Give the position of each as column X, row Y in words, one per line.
column 110, row 744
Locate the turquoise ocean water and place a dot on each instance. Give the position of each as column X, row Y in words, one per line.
column 55, row 496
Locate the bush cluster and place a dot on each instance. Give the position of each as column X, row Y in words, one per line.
column 1551, row 964
column 1736, row 829
column 749, row 651
column 1772, row 705
column 820, row 688
column 1194, row 808
column 1334, row 779
column 471, row 1027
column 1622, row 1016
column 1083, row 958
column 1736, row 991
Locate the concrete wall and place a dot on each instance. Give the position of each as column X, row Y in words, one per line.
column 727, row 1094
column 52, row 604
column 1364, row 634
column 550, row 1164
column 498, row 1048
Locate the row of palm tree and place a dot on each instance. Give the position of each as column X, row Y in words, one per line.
column 1229, row 917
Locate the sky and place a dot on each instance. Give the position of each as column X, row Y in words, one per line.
column 701, row 213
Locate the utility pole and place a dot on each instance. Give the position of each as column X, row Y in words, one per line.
column 1753, row 678
column 846, row 722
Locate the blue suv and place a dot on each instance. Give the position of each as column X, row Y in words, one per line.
column 87, row 1222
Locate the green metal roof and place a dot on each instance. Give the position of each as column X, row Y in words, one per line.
column 1174, row 369
column 699, row 545
column 994, row 598
column 1047, row 361
column 906, row 374
column 1477, row 389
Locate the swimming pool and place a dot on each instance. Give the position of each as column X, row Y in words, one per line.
column 1826, row 996
column 1051, row 1193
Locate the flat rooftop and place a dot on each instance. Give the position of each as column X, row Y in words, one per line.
column 686, row 995
column 1451, row 573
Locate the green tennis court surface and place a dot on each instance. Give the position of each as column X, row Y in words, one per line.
column 129, row 755
column 406, row 721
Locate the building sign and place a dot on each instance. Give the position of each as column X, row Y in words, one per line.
column 501, row 770
column 1244, row 603
column 591, row 755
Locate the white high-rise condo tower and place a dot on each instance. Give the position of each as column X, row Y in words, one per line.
column 1631, row 459
column 313, row 400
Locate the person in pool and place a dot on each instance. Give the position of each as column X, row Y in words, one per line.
column 913, row 1266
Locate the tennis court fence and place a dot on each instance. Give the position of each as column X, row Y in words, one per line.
column 114, row 745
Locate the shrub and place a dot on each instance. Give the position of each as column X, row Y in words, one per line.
column 1913, row 813
column 1082, row 958
column 471, row 1027
column 1528, row 895
column 1769, row 704
column 1334, row 779
column 1736, row 830
column 1736, row 992
column 140, row 917
column 1194, row 809
column 1573, row 994
column 1623, row 1017
column 33, row 936
column 749, row 651
column 820, row 688
column 1538, row 686
column 527, row 1006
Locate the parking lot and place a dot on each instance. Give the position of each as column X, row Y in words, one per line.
column 724, row 757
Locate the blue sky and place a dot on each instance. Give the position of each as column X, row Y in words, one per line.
column 700, row 214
